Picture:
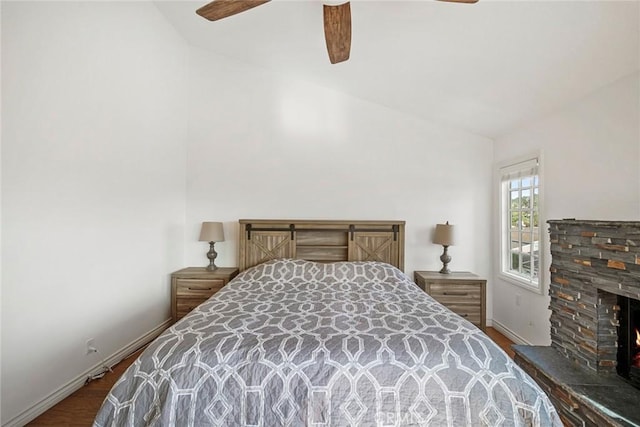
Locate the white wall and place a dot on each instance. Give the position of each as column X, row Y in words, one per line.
column 95, row 155
column 93, row 167
column 263, row 145
column 591, row 170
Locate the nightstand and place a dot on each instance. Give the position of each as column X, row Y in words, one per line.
column 192, row 286
column 462, row 292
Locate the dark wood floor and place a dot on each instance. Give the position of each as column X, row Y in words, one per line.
column 80, row 408
column 504, row 342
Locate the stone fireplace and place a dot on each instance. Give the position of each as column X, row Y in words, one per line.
column 595, row 265
column 590, row 371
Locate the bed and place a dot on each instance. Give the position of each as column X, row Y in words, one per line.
column 292, row 342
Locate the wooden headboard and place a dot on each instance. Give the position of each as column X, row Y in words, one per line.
column 320, row 240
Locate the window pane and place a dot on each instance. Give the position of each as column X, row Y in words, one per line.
column 515, row 262
column 516, row 249
column 526, row 181
column 515, row 220
column 515, row 242
column 515, row 199
column 519, row 220
column 514, row 183
column 526, row 261
column 514, row 238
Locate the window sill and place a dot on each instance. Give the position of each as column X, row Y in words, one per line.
column 515, row 280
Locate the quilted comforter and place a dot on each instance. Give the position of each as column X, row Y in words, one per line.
column 298, row 343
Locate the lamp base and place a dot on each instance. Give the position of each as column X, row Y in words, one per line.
column 446, row 259
column 212, row 255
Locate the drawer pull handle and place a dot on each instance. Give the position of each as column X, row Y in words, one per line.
column 461, row 294
column 200, row 289
column 464, row 315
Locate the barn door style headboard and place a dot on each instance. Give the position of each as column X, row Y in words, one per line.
column 320, row 240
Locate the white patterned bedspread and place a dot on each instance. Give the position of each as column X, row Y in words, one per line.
column 297, row 343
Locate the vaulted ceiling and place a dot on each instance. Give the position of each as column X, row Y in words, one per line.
column 486, row 68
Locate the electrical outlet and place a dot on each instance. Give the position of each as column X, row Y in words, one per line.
column 91, row 346
column 518, row 299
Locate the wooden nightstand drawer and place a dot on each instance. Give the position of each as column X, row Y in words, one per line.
column 469, row 312
column 470, row 293
column 192, row 286
column 185, row 305
column 189, row 288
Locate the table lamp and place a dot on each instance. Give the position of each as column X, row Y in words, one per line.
column 211, row 232
column 444, row 236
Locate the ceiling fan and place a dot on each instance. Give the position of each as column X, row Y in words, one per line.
column 337, row 21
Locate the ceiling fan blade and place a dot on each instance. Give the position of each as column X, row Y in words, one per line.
column 461, row 1
column 337, row 31
column 219, row 9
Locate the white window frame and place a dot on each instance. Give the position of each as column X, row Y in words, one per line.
column 506, row 173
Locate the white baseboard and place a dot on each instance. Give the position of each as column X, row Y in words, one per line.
column 517, row 339
column 66, row 390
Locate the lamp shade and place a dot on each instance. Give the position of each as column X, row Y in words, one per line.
column 444, row 234
column 212, row 232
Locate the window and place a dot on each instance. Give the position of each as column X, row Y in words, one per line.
column 520, row 223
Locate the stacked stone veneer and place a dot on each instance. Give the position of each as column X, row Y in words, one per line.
column 592, row 263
